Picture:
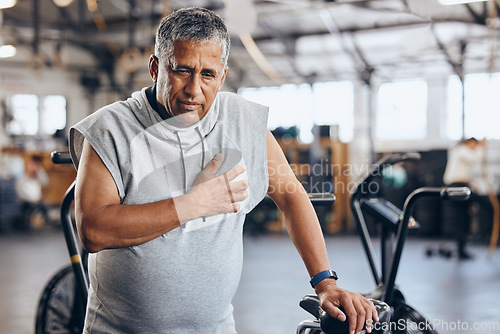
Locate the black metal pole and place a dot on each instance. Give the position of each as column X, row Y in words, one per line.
column 462, row 82
column 401, row 236
column 36, row 25
column 365, row 237
column 72, row 244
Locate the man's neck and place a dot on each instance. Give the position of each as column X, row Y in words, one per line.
column 151, row 95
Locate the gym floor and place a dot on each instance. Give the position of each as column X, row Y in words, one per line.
column 457, row 296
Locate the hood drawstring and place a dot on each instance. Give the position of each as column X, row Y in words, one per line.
column 176, row 133
column 182, row 160
column 183, row 166
column 202, row 148
column 202, row 153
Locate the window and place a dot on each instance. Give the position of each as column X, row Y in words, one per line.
column 53, row 114
column 24, row 113
column 482, row 115
column 36, row 115
column 334, row 105
column 303, row 106
column 402, row 110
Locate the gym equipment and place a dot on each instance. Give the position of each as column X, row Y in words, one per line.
column 396, row 316
column 61, row 308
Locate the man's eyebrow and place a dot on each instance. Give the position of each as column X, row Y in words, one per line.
column 189, row 68
column 179, row 67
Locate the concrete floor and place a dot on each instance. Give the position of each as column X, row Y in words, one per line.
column 459, row 296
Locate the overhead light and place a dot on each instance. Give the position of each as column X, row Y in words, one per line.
column 7, row 3
column 457, row 2
column 62, row 3
column 7, row 51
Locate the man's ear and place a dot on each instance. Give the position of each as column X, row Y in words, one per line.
column 223, row 77
column 153, row 67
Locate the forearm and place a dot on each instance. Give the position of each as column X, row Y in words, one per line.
column 304, row 229
column 296, row 208
column 119, row 225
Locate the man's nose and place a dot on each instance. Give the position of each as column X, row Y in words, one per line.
column 193, row 86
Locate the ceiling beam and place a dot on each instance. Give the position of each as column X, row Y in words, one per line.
column 379, row 28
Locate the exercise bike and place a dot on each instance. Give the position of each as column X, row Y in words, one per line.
column 61, row 308
column 396, row 316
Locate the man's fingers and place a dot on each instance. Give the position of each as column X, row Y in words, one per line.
column 239, row 186
column 240, row 196
column 353, row 323
column 235, row 172
column 374, row 312
column 237, row 190
column 351, row 313
column 371, row 315
column 334, row 311
column 369, row 325
column 222, row 193
column 210, row 170
column 236, row 208
column 214, row 165
column 360, row 315
column 229, row 191
column 339, row 303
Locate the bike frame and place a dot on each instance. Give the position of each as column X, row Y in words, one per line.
column 391, row 250
column 76, row 254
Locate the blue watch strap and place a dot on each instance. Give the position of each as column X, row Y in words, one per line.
column 323, row 275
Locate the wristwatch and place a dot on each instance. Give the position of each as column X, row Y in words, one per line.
column 323, row 275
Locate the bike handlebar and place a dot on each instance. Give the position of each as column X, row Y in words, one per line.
column 329, row 325
column 400, row 157
column 445, row 193
column 450, row 193
column 61, row 157
column 321, row 199
column 380, row 165
column 455, row 193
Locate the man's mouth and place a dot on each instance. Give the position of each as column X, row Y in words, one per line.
column 189, row 106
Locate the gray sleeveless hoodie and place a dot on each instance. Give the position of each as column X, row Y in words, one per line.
column 182, row 282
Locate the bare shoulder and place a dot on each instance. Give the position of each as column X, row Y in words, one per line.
column 93, row 177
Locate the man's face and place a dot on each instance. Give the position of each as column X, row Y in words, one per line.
column 188, row 87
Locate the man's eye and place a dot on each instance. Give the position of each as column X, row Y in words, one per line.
column 181, row 72
column 208, row 75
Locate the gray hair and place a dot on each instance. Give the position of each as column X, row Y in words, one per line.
column 191, row 24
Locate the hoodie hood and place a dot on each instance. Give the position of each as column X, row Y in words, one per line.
column 189, row 136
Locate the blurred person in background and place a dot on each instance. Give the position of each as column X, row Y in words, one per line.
column 461, row 160
column 29, row 191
